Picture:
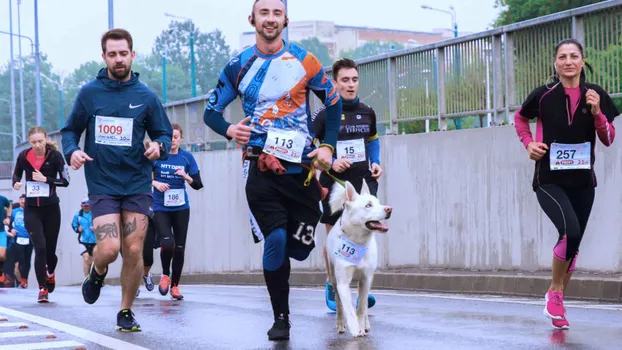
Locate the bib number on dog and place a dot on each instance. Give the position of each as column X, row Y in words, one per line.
column 37, row 189
column 285, row 144
column 174, row 198
column 570, row 156
column 349, row 251
column 113, row 131
column 352, row 150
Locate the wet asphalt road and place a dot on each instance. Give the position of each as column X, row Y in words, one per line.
column 231, row 317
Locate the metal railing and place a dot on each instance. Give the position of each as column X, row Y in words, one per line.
column 483, row 77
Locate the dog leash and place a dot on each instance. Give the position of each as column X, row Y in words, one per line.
column 327, row 172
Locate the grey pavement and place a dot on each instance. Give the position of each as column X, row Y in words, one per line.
column 237, row 317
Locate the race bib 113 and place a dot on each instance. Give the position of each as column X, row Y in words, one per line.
column 285, row 144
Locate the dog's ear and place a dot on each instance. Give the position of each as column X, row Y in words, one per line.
column 350, row 192
column 365, row 189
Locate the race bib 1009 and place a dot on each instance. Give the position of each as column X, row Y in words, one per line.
column 285, row 144
column 174, row 198
column 349, row 251
column 570, row 156
column 37, row 189
column 352, row 150
column 113, row 131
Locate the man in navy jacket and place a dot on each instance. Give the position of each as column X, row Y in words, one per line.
column 116, row 110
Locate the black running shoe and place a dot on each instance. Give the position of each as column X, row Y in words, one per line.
column 126, row 321
column 280, row 329
column 92, row 285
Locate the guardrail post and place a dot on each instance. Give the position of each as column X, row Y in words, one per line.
column 393, row 91
column 577, row 29
column 497, row 78
column 440, row 88
column 510, row 83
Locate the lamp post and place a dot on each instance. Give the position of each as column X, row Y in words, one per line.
column 12, row 74
column 286, row 31
column 59, row 84
column 454, row 25
column 163, row 54
column 110, row 14
column 193, row 75
column 39, row 102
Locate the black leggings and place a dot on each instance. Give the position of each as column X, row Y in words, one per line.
column 43, row 223
column 172, row 229
column 569, row 210
column 149, row 245
column 23, row 255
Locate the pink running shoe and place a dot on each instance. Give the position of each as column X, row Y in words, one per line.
column 554, row 308
column 561, row 324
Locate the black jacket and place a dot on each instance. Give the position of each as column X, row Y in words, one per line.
column 54, row 164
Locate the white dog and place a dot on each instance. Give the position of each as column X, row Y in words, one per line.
column 353, row 253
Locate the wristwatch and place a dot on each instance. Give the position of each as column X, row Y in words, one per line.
column 161, row 147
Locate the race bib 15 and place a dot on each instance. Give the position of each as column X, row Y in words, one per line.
column 352, row 150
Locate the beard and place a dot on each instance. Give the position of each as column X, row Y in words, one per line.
column 120, row 74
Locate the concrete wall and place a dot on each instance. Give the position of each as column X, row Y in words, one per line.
column 461, row 199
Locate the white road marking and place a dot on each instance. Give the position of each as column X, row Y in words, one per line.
column 488, row 299
column 24, row 334
column 12, row 325
column 44, row 345
column 85, row 334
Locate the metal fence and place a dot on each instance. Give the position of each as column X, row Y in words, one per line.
column 482, row 78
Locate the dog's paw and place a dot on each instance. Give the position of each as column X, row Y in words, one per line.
column 341, row 326
column 367, row 329
column 359, row 333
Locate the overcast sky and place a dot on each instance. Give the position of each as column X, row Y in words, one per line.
column 69, row 30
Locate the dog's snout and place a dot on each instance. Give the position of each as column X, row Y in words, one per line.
column 388, row 210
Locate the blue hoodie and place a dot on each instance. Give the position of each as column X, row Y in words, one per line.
column 101, row 108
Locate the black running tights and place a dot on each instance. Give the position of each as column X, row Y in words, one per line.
column 172, row 229
column 43, row 223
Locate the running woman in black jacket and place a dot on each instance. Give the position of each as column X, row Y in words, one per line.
column 41, row 163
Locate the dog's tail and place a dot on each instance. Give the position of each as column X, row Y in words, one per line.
column 337, row 198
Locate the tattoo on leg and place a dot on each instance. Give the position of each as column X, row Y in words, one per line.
column 129, row 228
column 145, row 221
column 106, row 230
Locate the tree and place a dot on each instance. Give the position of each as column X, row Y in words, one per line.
column 320, row 50
column 372, row 48
column 211, row 52
column 522, row 10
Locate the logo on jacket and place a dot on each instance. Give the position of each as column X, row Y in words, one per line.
column 132, row 107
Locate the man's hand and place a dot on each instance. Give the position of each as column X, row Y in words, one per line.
column 324, row 156
column 37, row 176
column 6, row 221
column 376, row 171
column 341, row 165
column 17, row 186
column 153, row 150
column 80, row 229
column 160, row 186
column 537, row 150
column 78, row 158
column 240, row 132
column 12, row 233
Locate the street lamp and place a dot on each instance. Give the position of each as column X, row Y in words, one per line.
column 59, row 84
column 163, row 54
column 110, row 14
column 454, row 24
column 193, row 75
column 37, row 70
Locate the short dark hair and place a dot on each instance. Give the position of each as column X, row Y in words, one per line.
column 343, row 63
column 254, row 4
column 117, row 34
column 177, row 127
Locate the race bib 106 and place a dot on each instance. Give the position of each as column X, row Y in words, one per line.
column 174, row 198
column 570, row 156
column 285, row 144
column 113, row 131
column 37, row 189
column 349, row 251
column 352, row 150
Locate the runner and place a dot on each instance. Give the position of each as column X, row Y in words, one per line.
column 82, row 224
column 23, row 247
column 42, row 213
column 116, row 110
column 4, row 203
column 569, row 114
column 357, row 145
column 273, row 79
column 172, row 209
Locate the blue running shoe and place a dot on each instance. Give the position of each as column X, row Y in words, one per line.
column 330, row 297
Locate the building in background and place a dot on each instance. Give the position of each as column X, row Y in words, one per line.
column 345, row 38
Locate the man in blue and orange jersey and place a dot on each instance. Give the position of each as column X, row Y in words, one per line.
column 273, row 79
